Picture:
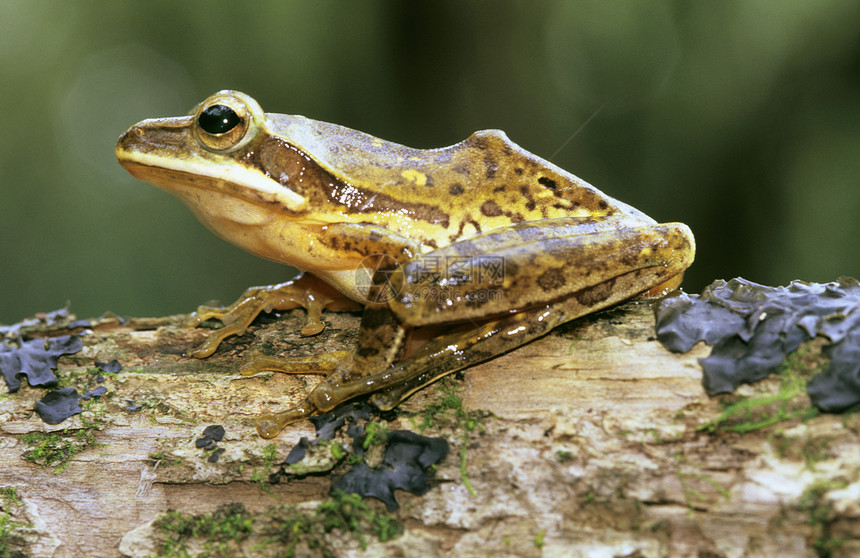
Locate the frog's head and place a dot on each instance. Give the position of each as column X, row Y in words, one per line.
column 240, row 174
column 207, row 157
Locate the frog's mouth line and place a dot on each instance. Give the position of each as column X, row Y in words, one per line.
column 234, row 180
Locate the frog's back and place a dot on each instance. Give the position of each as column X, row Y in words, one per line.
column 481, row 183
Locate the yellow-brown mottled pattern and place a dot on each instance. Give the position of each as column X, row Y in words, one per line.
column 479, row 184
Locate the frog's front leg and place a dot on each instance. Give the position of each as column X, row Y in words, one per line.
column 305, row 291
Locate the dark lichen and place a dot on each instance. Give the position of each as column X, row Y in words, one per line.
column 98, row 392
column 211, row 434
column 382, row 460
column 112, row 366
column 754, row 327
column 216, row 455
column 406, row 465
column 59, row 405
column 35, row 358
column 55, row 320
column 747, row 414
column 329, row 424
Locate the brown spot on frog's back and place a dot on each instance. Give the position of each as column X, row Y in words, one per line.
column 456, row 189
column 462, row 226
column 547, row 182
column 592, row 296
column 527, row 194
column 551, row 280
column 491, row 166
column 491, row 209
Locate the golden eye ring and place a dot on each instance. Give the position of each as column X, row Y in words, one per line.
column 223, row 122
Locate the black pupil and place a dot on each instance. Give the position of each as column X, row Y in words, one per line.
column 218, row 119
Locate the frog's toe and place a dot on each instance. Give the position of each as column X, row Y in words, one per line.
column 312, row 328
column 319, row 364
column 204, row 313
column 213, row 341
column 269, row 426
column 206, row 348
column 385, row 401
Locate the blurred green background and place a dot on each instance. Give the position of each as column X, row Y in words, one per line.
column 741, row 119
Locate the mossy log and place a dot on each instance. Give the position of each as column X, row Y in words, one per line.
column 591, row 441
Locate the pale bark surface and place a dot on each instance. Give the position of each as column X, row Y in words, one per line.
column 589, row 447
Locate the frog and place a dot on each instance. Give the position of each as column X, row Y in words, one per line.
column 453, row 255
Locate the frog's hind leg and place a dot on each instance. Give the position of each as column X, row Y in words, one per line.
column 545, row 281
column 440, row 357
column 544, row 274
column 458, row 350
column 305, row 291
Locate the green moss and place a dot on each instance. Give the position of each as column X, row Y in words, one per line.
column 811, row 450
column 51, row 450
column 56, row 449
column 820, row 515
column 376, row 434
column 10, row 504
column 539, row 538
column 448, row 406
column 261, row 476
column 349, row 513
column 280, row 531
column 219, row 534
column 163, row 459
column 790, row 402
column 338, row 452
column 156, row 408
column 563, row 456
column 695, row 498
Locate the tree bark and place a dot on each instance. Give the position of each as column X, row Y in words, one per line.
column 586, row 442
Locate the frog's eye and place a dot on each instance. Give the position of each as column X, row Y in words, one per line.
column 222, row 124
column 218, row 119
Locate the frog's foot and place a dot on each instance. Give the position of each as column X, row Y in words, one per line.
column 236, row 317
column 305, row 291
column 269, row 426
